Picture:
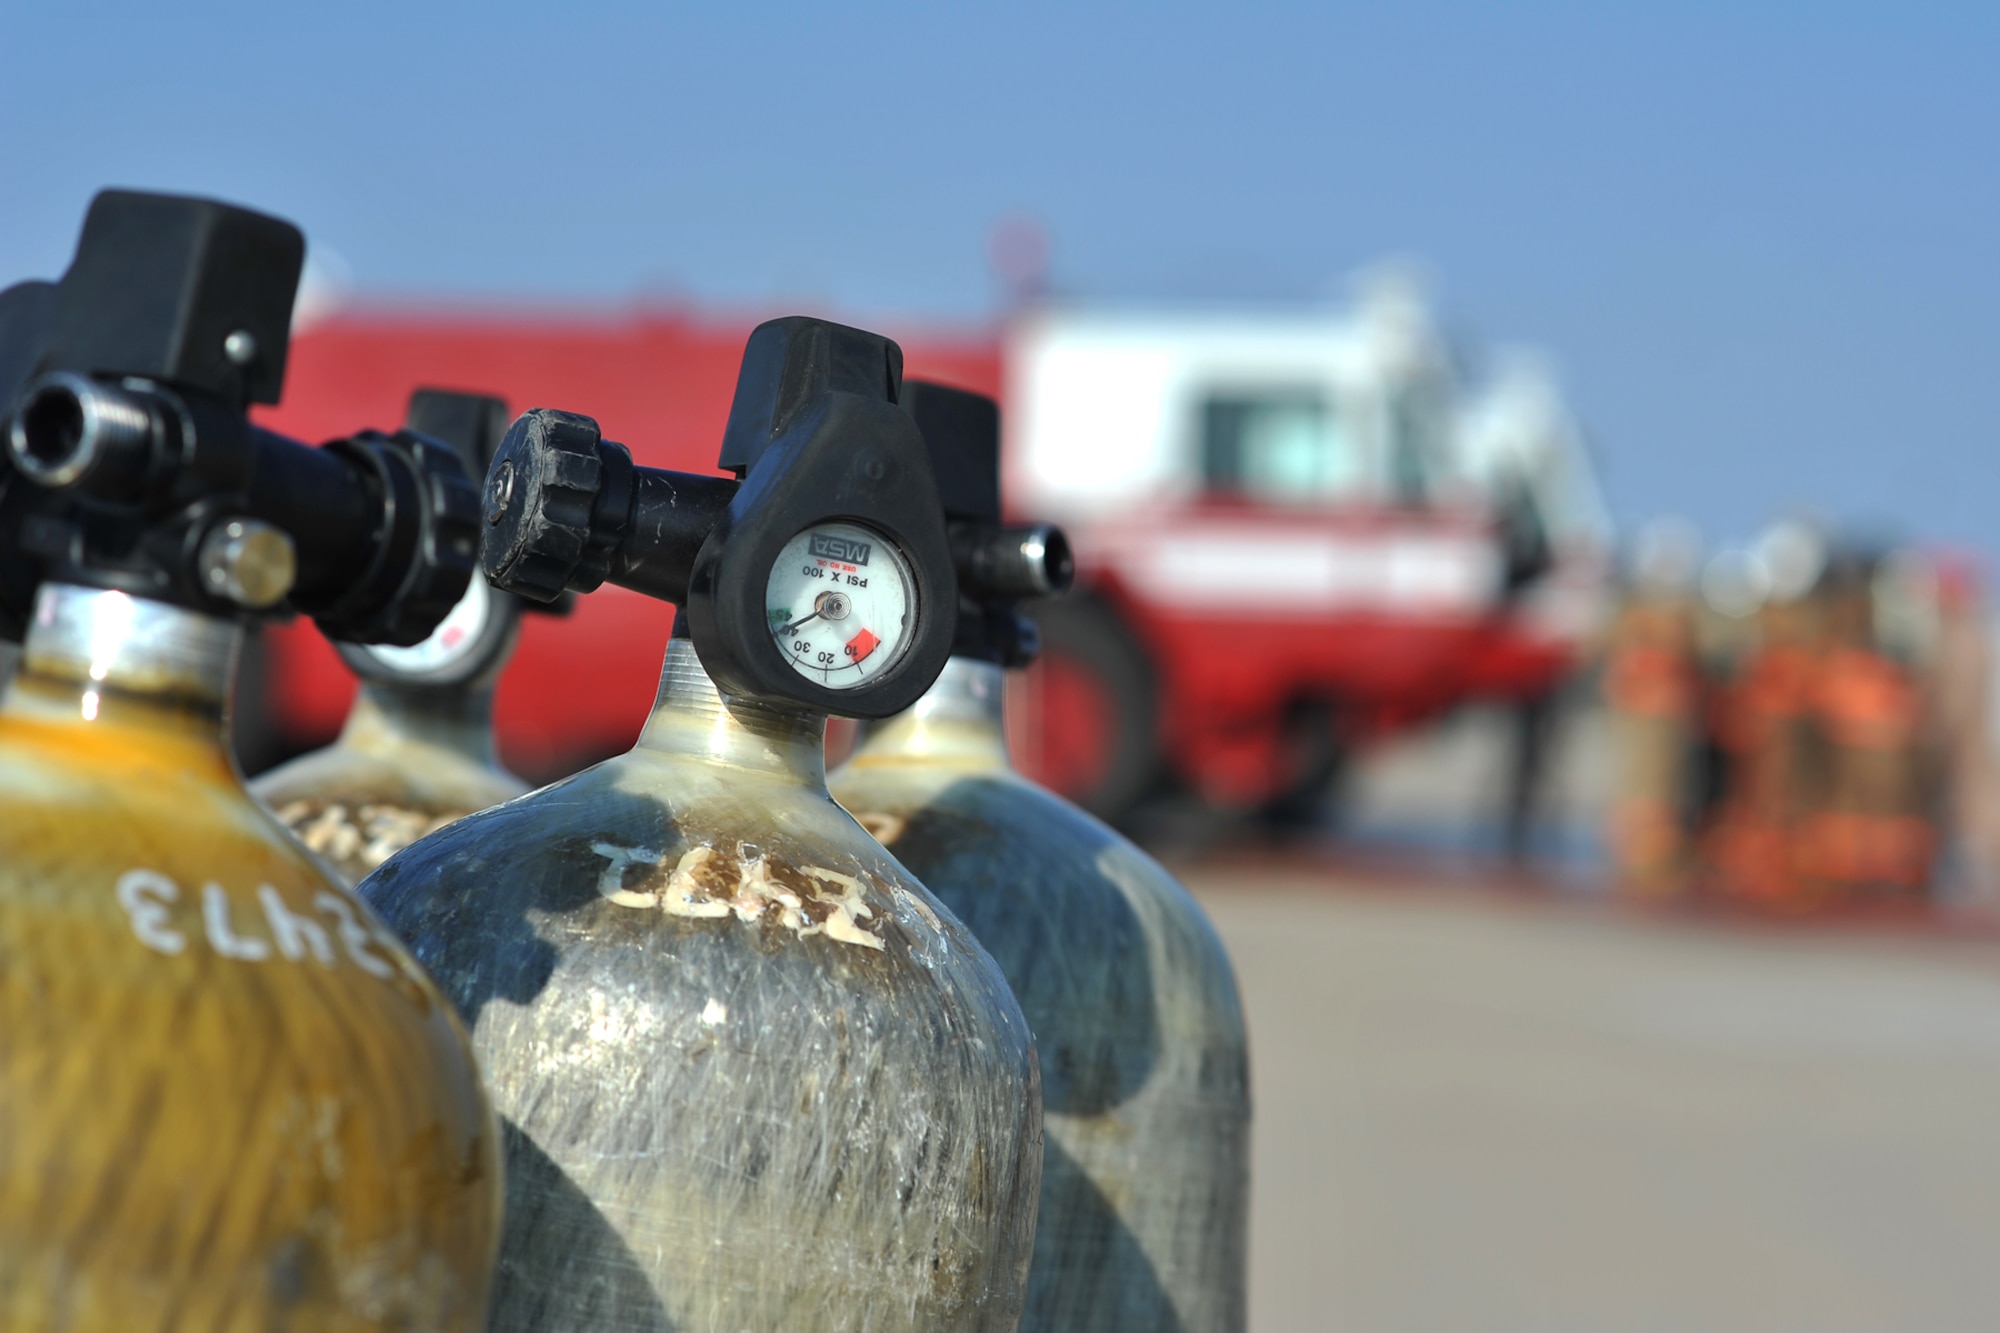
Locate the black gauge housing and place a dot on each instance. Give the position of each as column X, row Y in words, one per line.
column 818, row 435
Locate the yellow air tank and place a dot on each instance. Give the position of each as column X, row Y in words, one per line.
column 417, row 751
column 229, row 1100
column 1131, row 998
column 753, row 1075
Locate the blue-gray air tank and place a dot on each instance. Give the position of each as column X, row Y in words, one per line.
column 753, row 1075
column 417, row 751
column 1132, row 1000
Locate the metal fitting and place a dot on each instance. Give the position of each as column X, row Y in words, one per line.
column 1046, row 564
column 69, row 426
column 250, row 563
column 1008, row 564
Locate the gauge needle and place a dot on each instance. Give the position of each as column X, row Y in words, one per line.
column 810, row 615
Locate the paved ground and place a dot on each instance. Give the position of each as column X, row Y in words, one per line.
column 1481, row 1115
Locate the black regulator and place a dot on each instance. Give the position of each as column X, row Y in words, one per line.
column 998, row 566
column 822, row 576
column 172, row 320
column 475, row 638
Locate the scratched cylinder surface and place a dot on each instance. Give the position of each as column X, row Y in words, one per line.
column 228, row 1098
column 1133, row 1005
column 753, row 1076
column 408, row 762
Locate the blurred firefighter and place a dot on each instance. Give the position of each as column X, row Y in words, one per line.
column 1762, row 723
column 1871, row 839
column 1654, row 690
column 1960, row 682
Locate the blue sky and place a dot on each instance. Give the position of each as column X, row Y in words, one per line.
column 1762, row 245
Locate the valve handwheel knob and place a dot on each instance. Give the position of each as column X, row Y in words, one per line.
column 551, row 506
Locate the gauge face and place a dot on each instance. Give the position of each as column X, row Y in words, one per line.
column 840, row 603
column 459, row 633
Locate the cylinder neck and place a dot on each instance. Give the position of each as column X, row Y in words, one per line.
column 99, row 658
column 691, row 718
column 960, row 719
column 460, row 720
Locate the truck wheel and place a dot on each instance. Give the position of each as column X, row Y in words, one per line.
column 1315, row 762
column 1092, row 717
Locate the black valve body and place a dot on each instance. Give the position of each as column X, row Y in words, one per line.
column 472, row 425
column 816, row 435
column 816, row 425
column 172, row 319
column 568, row 510
column 160, row 286
column 998, row 566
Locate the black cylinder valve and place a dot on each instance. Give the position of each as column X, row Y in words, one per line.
column 823, row 577
column 998, row 565
column 171, row 321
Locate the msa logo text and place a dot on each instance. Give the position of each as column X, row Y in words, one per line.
column 844, row 549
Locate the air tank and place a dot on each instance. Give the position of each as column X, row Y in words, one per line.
column 752, row 1074
column 417, row 751
column 228, row 1098
column 1131, row 998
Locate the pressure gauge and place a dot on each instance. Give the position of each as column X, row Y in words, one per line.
column 820, row 578
column 464, row 646
column 841, row 602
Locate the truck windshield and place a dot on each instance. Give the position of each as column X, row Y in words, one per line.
column 1285, row 446
column 1420, row 445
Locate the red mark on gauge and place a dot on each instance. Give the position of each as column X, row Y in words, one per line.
column 861, row 645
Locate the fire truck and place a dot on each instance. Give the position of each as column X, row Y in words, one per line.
column 1296, row 533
